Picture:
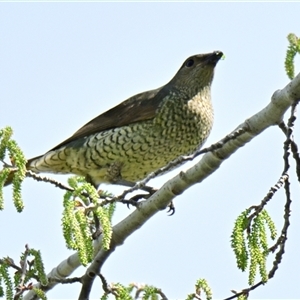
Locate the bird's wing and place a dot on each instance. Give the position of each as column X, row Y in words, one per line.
column 138, row 108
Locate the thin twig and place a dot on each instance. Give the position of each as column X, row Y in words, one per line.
column 268, row 197
column 65, row 280
column 48, row 180
column 21, row 287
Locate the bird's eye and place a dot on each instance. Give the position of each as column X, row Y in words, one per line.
column 189, row 63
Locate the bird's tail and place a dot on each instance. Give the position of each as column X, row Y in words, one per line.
column 13, row 171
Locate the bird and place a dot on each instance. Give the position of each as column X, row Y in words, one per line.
column 141, row 134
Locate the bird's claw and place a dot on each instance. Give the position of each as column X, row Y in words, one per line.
column 135, row 199
column 171, row 209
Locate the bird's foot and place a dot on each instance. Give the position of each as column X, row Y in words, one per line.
column 171, row 209
column 136, row 198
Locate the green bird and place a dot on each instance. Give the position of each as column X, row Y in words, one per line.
column 141, row 134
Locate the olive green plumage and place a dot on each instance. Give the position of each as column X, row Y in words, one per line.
column 143, row 133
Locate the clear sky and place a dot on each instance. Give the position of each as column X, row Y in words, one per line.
column 62, row 64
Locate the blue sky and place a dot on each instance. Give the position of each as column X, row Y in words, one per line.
column 64, row 63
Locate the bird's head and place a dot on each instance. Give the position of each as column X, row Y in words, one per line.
column 196, row 72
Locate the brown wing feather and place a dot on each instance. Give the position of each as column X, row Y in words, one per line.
column 140, row 107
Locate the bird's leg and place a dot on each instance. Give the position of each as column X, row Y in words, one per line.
column 138, row 197
column 146, row 188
